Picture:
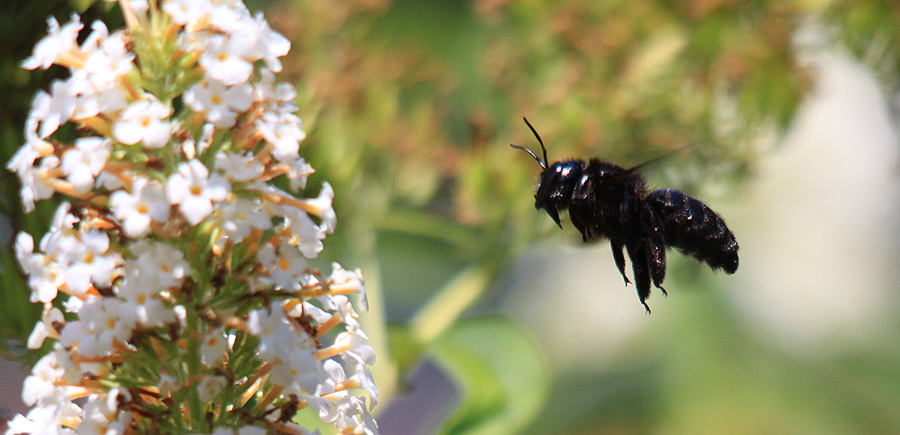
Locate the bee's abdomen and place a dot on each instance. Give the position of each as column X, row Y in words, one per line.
column 695, row 229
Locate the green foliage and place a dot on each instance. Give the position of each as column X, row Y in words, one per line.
column 502, row 374
column 871, row 31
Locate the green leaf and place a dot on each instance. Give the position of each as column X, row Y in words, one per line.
column 20, row 314
column 406, row 351
column 501, row 372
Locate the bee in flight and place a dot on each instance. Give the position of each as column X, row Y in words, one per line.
column 605, row 200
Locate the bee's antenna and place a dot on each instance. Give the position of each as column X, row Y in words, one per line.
column 519, row 147
column 542, row 163
column 539, row 140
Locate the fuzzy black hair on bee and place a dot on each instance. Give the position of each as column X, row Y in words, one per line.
column 607, row 201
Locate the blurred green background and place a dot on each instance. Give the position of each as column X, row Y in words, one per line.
column 486, row 318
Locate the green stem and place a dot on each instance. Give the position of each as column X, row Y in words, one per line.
column 193, row 365
column 442, row 311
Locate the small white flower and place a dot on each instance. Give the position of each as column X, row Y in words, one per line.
column 47, row 419
column 206, row 138
column 58, row 41
column 270, row 44
column 94, row 99
column 210, row 386
column 242, row 215
column 259, row 40
column 284, row 265
column 136, row 210
column 214, row 348
column 101, row 414
column 42, row 179
column 99, row 33
column 220, row 103
column 91, row 261
column 139, row 7
column 306, row 235
column 284, row 132
column 23, row 160
column 144, row 121
column 84, row 163
column 275, row 97
column 44, row 276
column 298, row 172
column 162, row 264
column 187, row 11
column 321, row 207
column 367, row 382
column 353, row 344
column 315, row 313
column 344, row 309
column 230, row 17
column 194, row 190
column 109, row 61
column 239, row 167
column 55, row 108
column 101, row 323
column 147, row 311
column 22, row 163
column 224, row 60
column 291, row 350
column 45, row 328
column 168, row 384
column 40, row 385
column 139, row 291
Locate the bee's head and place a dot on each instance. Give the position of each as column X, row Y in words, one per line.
column 558, row 180
column 558, row 183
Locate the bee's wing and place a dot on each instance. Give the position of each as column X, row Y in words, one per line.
column 692, row 227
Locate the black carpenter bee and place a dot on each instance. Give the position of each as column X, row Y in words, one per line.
column 607, row 201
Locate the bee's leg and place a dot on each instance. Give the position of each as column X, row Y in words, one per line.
column 581, row 217
column 619, row 256
column 576, row 221
column 637, row 253
column 655, row 244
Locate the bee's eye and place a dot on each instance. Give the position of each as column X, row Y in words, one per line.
column 564, row 170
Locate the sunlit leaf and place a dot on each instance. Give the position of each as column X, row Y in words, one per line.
column 501, row 372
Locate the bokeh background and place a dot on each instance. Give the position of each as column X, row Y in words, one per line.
column 486, row 317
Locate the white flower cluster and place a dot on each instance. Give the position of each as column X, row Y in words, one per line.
column 180, row 257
